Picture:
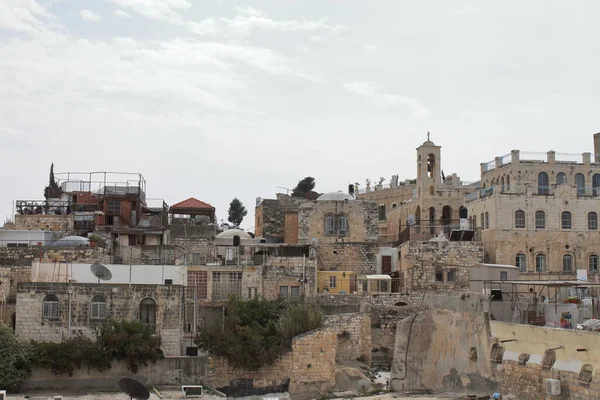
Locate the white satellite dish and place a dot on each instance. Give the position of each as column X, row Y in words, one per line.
column 411, row 220
column 314, row 242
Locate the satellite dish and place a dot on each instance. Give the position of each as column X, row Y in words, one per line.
column 411, row 220
column 314, row 242
column 101, row 272
column 135, row 389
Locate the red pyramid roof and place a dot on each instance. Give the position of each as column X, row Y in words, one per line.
column 193, row 203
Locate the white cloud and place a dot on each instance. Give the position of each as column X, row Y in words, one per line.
column 24, row 16
column 372, row 91
column 121, row 13
column 159, row 10
column 89, row 15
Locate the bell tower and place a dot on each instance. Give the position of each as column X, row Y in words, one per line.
column 429, row 175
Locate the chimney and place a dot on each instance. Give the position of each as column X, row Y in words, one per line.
column 597, row 147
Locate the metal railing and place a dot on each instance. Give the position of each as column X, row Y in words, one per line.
column 151, row 327
column 427, row 231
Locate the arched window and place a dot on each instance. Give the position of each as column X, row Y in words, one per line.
column 593, row 263
column 521, row 262
column 430, row 165
column 329, row 225
column 474, row 222
column 487, row 220
column 567, row 263
column 342, row 225
column 561, row 178
column 596, row 184
column 580, row 183
column 50, row 307
column 431, row 190
column 381, row 212
column 508, row 183
column 148, row 314
column 540, row 220
column 592, row 221
column 566, row 220
column 482, row 221
column 98, row 307
column 502, row 185
column 519, row 219
column 543, row 183
column 540, row 262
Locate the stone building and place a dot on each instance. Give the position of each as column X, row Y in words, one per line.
column 54, row 311
column 193, row 229
column 276, row 220
column 343, row 231
column 540, row 213
column 431, row 201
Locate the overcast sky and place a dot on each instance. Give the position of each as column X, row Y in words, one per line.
column 217, row 99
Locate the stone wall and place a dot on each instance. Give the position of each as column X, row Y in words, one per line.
column 574, row 350
column 419, row 261
column 122, row 302
column 10, row 277
column 171, row 371
column 270, row 217
column 288, row 271
column 308, row 369
column 15, row 256
column 384, row 322
column 43, row 222
column 360, row 258
column 361, row 218
column 353, row 336
column 434, row 349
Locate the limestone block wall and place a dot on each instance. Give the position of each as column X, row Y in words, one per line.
column 308, row 368
column 123, row 302
column 434, row 350
column 574, row 351
column 419, row 261
column 24, row 256
column 288, row 271
column 353, row 336
column 360, row 258
column 10, row 277
column 50, row 222
column 361, row 216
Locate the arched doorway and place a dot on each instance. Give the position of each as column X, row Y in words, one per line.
column 13, row 321
column 446, row 219
column 148, row 314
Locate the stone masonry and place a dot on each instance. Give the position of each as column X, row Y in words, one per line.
column 122, row 302
column 353, row 336
column 360, row 258
column 45, row 222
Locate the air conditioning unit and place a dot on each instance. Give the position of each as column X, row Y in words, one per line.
column 553, row 387
column 190, row 391
column 3, row 395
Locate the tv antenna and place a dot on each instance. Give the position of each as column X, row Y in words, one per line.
column 101, row 272
column 135, row 389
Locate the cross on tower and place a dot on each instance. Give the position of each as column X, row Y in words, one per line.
column 428, row 135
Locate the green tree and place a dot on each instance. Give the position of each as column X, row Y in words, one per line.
column 52, row 182
column 304, row 187
column 237, row 212
column 15, row 359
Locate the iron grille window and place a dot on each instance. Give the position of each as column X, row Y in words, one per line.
column 330, row 225
column 332, row 281
column 580, row 183
column 294, row 292
column 566, row 220
column 540, row 263
column 543, row 183
column 99, row 310
column 519, row 219
column 198, row 280
column 592, row 221
column 521, row 262
column 283, row 292
column 451, row 275
column 114, row 207
column 593, row 263
column 487, row 220
column 50, row 307
column 540, row 220
column 343, row 225
column 567, row 263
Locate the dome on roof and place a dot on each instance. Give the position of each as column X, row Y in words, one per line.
column 337, row 196
column 230, row 233
column 428, row 143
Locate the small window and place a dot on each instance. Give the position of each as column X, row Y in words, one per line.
column 381, row 213
column 482, row 221
column 342, row 225
column 519, row 219
column 487, row 220
column 113, row 207
column 567, row 263
column 540, row 220
column 580, row 183
column 543, row 183
column 540, row 263
column 521, row 262
column 98, row 307
column 592, row 221
column 451, row 275
column 332, row 281
column 503, row 275
column 439, row 275
column 251, row 292
column 329, row 225
column 593, row 263
column 283, row 292
column 561, row 178
column 394, row 205
column 294, row 292
column 50, row 307
column 566, row 220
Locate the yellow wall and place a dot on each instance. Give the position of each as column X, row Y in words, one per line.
column 342, row 282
